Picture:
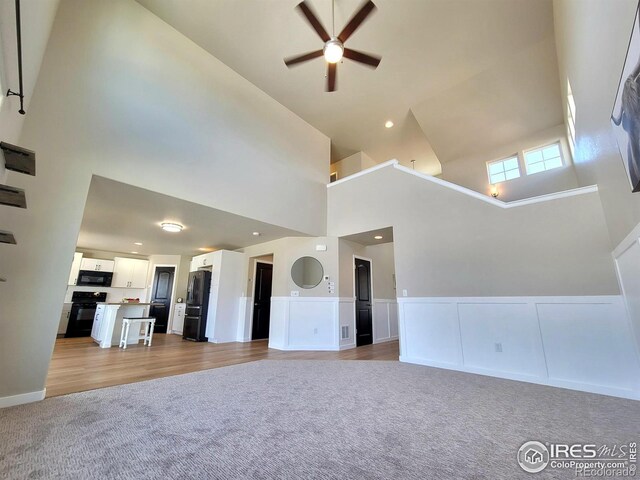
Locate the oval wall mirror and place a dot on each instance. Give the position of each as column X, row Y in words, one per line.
column 307, row 272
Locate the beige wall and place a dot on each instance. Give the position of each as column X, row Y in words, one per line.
column 592, row 38
column 382, row 259
column 449, row 244
column 352, row 164
column 382, row 266
column 122, row 95
column 471, row 171
column 36, row 19
column 286, row 251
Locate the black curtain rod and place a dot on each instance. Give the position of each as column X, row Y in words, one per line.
column 19, row 37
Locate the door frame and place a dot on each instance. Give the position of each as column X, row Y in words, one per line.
column 373, row 323
column 253, row 295
column 173, row 292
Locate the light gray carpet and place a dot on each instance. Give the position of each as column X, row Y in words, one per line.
column 305, row 419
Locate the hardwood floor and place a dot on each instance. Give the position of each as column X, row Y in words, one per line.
column 78, row 364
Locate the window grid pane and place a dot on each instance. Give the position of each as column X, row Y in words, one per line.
column 543, row 158
column 503, row 170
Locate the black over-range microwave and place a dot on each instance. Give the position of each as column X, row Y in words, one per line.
column 94, row 278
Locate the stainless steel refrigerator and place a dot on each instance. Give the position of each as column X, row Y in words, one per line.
column 195, row 319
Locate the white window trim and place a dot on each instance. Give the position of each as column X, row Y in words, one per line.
column 509, row 157
column 558, row 142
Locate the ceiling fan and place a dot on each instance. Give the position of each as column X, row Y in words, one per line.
column 334, row 48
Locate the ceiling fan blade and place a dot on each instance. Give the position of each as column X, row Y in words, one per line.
column 356, row 20
column 361, row 57
column 331, row 77
column 313, row 21
column 291, row 61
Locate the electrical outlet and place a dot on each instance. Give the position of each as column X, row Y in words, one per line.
column 315, row 331
column 499, row 347
column 295, row 293
column 404, row 292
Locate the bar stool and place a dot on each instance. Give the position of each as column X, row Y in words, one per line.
column 149, row 323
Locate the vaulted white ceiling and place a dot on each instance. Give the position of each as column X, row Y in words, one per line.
column 457, row 76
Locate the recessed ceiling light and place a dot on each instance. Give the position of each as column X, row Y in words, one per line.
column 171, row 227
column 256, row 234
column 134, row 252
column 205, row 249
column 388, row 124
column 378, row 237
column 137, row 243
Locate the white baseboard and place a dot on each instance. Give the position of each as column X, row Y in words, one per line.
column 385, row 340
column 347, row 346
column 583, row 387
column 22, row 398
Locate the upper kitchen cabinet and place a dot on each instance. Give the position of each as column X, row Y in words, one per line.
column 130, row 273
column 75, row 268
column 202, row 261
column 97, row 264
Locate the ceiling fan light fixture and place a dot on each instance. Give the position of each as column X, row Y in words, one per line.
column 333, row 50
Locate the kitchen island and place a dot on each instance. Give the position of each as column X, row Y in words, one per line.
column 107, row 323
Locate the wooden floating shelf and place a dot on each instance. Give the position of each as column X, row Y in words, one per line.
column 18, row 159
column 7, row 237
column 12, row 197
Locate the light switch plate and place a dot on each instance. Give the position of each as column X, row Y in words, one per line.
column 405, row 293
column 321, row 248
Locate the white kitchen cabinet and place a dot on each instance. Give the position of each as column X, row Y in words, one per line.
column 178, row 318
column 75, row 268
column 97, row 264
column 130, row 273
column 202, row 261
column 64, row 318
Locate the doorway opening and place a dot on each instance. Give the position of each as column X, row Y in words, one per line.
column 161, row 295
column 263, row 279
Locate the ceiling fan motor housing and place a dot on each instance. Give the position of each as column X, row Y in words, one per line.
column 333, row 50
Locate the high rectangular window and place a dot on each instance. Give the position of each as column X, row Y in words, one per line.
column 503, row 170
column 543, row 158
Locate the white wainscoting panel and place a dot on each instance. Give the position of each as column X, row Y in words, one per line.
column 385, row 320
column 313, row 325
column 588, row 344
column 501, row 337
column 279, row 322
column 582, row 343
column 430, row 333
column 304, row 323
